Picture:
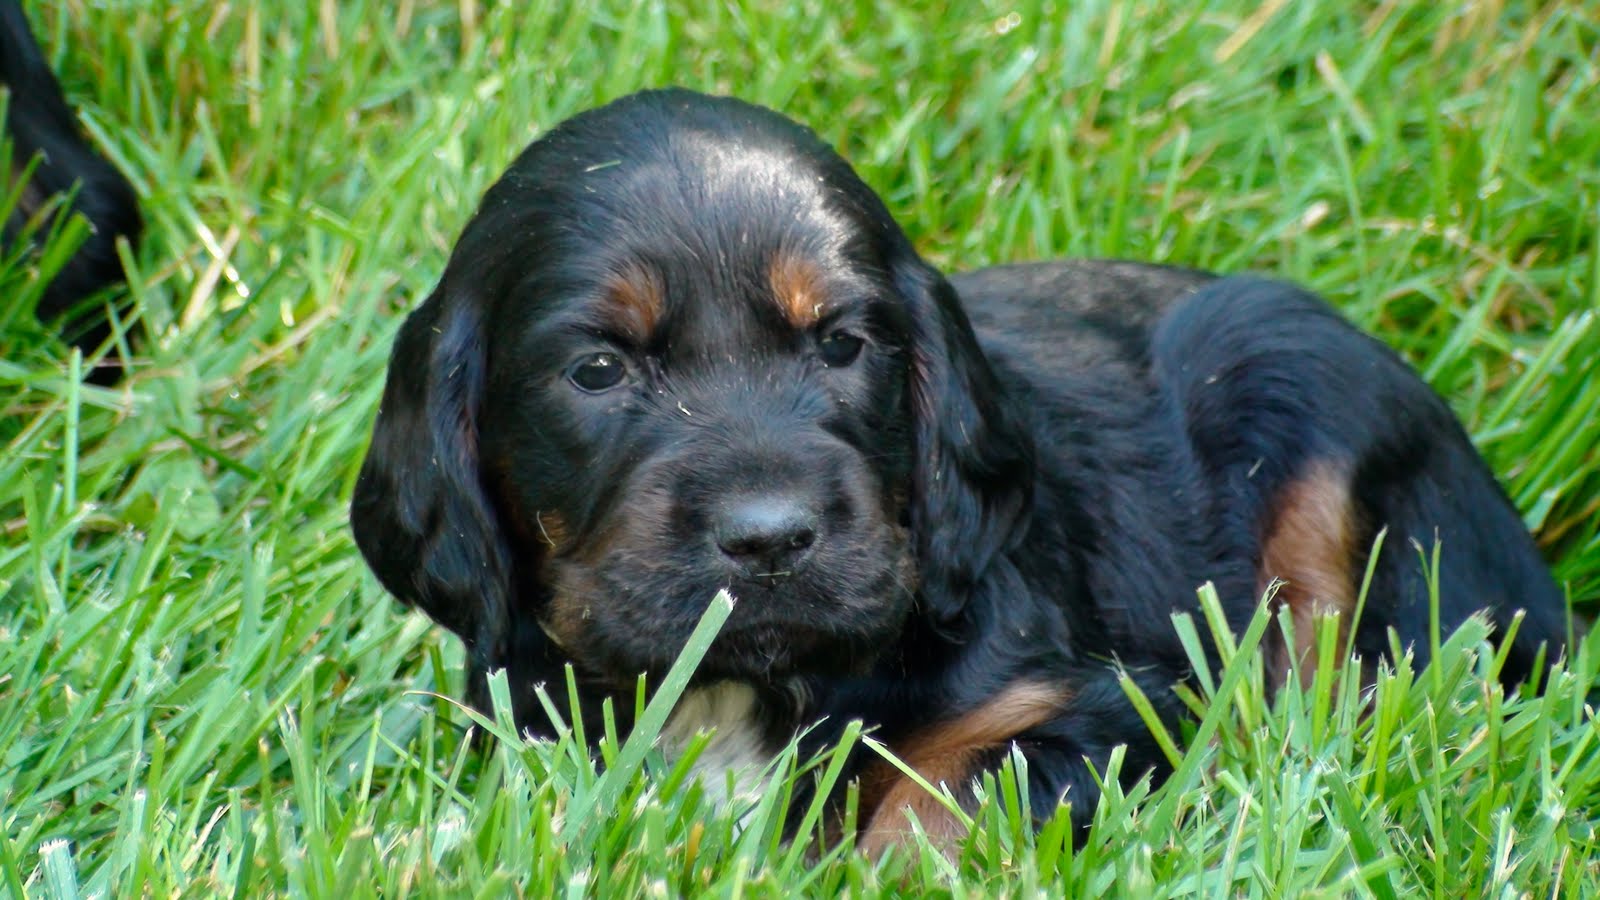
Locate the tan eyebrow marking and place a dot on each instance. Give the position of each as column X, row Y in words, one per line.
column 636, row 298
column 797, row 286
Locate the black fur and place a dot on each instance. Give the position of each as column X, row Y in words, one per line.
column 44, row 132
column 1025, row 497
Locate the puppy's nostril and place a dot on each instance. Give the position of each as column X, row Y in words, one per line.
column 766, row 535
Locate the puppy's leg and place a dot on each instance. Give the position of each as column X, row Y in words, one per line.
column 1317, row 436
column 1060, row 727
column 41, row 125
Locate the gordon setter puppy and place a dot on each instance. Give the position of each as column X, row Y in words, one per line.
column 682, row 347
column 44, row 134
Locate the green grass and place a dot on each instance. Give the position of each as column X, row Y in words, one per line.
column 202, row 689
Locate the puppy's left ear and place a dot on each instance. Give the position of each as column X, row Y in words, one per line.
column 972, row 480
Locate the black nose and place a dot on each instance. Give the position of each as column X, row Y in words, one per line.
column 767, row 535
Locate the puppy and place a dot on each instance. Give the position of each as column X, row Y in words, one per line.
column 681, row 347
column 44, row 134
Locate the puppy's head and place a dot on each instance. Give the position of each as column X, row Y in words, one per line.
column 682, row 347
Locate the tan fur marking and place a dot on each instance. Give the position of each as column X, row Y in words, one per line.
column 1311, row 547
column 552, row 528
column 946, row 754
column 544, row 530
column 565, row 617
column 33, row 197
column 636, row 298
column 798, row 288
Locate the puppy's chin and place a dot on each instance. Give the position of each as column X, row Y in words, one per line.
column 772, row 653
column 613, row 631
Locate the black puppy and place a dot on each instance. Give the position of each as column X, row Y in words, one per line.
column 682, row 347
column 42, row 127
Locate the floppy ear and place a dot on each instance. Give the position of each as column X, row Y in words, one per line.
column 972, row 480
column 420, row 513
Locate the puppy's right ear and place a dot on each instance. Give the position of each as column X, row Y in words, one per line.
column 974, row 472
column 420, row 513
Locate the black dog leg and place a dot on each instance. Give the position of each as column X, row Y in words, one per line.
column 40, row 124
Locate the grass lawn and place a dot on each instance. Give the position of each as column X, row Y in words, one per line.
column 202, row 690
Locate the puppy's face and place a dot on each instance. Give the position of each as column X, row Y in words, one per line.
column 698, row 382
column 681, row 347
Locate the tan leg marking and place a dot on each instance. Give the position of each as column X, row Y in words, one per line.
column 947, row 754
column 1311, row 547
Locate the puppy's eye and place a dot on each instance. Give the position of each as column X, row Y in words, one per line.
column 839, row 349
column 597, row 372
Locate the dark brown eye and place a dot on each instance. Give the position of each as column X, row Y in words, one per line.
column 840, row 349
column 597, row 372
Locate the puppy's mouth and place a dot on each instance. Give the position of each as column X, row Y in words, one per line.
column 772, row 652
column 614, row 623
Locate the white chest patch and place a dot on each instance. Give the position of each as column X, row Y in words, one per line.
column 730, row 767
